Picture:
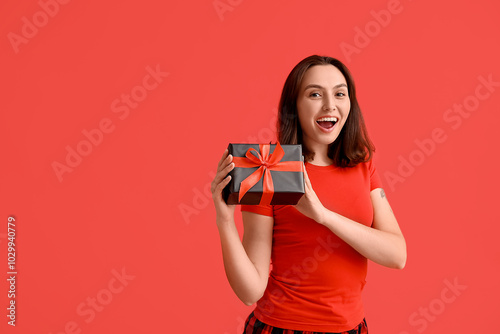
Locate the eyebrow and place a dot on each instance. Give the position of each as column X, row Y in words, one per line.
column 321, row 87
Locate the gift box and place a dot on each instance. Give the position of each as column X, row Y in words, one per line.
column 265, row 174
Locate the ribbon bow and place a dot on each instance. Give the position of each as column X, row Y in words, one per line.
column 266, row 162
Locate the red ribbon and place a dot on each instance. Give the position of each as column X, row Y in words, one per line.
column 266, row 163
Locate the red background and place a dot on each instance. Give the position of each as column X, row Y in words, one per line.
column 137, row 202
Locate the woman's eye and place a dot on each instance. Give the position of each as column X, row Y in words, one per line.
column 314, row 94
column 341, row 94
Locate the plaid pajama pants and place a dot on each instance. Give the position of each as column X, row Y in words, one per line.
column 254, row 326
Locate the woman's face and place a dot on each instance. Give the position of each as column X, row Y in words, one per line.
column 323, row 105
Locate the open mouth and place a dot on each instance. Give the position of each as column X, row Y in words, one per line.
column 327, row 122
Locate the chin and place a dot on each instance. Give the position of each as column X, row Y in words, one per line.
column 332, row 138
column 326, row 141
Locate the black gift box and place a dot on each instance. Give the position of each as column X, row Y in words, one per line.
column 288, row 186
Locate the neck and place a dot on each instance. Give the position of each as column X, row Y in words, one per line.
column 320, row 155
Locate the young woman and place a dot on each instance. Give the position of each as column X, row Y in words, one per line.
column 319, row 247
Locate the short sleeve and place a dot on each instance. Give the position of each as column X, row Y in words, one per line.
column 375, row 180
column 266, row 210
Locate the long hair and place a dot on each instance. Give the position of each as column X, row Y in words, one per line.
column 353, row 144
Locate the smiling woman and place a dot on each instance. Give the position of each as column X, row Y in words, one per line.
column 317, row 85
column 313, row 289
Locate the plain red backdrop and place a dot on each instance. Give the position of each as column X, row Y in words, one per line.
column 136, row 202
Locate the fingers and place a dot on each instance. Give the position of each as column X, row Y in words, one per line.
column 306, row 178
column 220, row 178
column 226, row 159
column 224, row 156
column 224, row 167
column 221, row 185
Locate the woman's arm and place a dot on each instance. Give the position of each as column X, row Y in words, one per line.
column 382, row 243
column 246, row 262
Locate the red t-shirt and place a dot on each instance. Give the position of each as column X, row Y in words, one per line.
column 316, row 278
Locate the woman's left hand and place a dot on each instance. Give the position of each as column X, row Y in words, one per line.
column 309, row 204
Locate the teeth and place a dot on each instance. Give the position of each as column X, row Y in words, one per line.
column 327, row 119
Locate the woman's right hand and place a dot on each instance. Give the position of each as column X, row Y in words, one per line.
column 225, row 213
column 246, row 261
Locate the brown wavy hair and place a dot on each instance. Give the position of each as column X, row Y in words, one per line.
column 353, row 144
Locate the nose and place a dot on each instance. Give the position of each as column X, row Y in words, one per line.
column 329, row 103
